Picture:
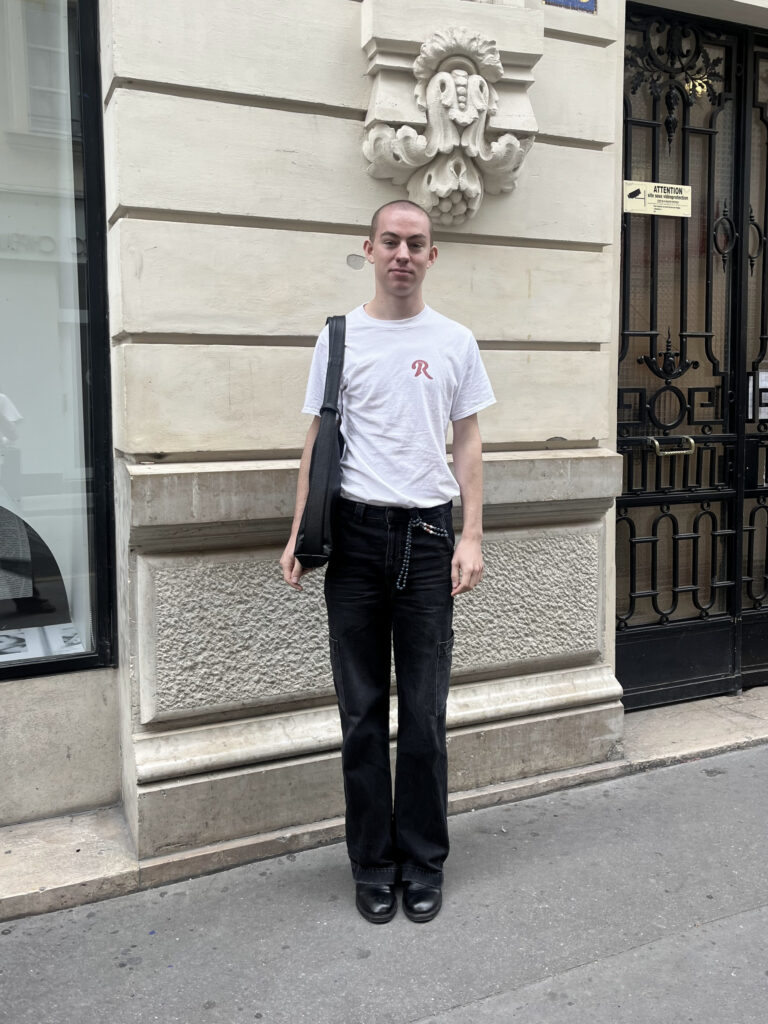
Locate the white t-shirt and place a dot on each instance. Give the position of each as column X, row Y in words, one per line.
column 403, row 381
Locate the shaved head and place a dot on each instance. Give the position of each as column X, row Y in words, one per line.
column 404, row 204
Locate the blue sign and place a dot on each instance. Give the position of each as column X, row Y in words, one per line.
column 575, row 5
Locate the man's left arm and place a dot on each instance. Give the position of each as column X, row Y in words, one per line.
column 467, row 564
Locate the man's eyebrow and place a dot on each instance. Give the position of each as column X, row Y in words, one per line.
column 410, row 238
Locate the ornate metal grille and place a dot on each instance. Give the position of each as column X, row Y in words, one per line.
column 755, row 515
column 692, row 528
column 675, row 403
column 674, row 558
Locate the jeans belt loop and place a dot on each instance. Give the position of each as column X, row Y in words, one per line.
column 359, row 511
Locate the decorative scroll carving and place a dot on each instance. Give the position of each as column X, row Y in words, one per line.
column 449, row 167
column 673, row 60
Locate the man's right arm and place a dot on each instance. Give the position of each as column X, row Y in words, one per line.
column 293, row 570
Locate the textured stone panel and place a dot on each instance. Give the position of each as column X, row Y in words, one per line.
column 224, row 631
column 539, row 599
column 228, row 633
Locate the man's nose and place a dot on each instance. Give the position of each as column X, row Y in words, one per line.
column 402, row 251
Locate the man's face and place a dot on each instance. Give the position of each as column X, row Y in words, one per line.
column 400, row 253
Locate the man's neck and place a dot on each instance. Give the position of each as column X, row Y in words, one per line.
column 385, row 307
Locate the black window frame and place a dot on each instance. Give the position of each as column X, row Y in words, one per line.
column 95, row 348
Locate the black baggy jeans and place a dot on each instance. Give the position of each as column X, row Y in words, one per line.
column 372, row 611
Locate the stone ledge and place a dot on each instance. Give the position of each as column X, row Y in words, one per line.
column 64, row 862
column 657, row 737
column 202, row 493
column 49, row 844
column 398, row 28
column 184, row 813
column 161, row 870
column 50, row 875
column 225, row 745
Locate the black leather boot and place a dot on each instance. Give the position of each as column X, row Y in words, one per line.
column 376, row 902
column 421, row 902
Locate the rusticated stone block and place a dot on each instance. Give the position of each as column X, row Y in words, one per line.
column 223, row 631
column 226, row 632
column 539, row 599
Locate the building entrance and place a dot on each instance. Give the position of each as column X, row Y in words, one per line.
column 692, row 582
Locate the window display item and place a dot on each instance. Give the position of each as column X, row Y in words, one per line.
column 32, row 591
column 15, row 558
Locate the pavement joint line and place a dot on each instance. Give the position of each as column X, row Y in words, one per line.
column 607, row 957
column 461, row 1006
column 686, row 756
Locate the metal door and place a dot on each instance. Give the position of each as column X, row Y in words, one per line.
column 692, row 589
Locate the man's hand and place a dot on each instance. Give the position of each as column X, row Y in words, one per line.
column 466, row 566
column 292, row 568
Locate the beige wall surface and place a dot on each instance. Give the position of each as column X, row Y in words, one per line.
column 172, row 273
column 237, row 200
column 237, row 187
column 58, row 745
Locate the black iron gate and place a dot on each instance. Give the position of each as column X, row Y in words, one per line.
column 692, row 585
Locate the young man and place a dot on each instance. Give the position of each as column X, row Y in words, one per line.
column 394, row 573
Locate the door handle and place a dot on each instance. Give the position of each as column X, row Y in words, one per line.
column 690, row 447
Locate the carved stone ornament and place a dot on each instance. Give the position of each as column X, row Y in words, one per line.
column 449, row 167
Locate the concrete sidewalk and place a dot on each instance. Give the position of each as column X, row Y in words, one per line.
column 63, row 862
column 640, row 899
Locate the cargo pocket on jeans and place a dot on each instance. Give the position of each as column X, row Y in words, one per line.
column 338, row 678
column 443, row 675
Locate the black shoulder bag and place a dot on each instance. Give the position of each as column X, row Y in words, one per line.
column 314, row 540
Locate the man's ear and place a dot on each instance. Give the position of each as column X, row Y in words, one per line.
column 368, row 250
column 432, row 255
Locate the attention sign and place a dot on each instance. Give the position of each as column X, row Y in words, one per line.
column 657, row 197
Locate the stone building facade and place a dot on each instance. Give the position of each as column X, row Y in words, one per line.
column 238, row 198
column 244, row 148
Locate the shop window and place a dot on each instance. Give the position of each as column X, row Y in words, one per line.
column 51, row 56
column 55, row 533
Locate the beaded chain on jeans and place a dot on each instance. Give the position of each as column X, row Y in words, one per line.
column 437, row 531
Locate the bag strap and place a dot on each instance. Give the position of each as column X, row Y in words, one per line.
column 337, row 329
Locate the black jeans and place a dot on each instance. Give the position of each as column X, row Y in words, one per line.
column 369, row 616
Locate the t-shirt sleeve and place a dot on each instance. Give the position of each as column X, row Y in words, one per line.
column 474, row 391
column 313, row 399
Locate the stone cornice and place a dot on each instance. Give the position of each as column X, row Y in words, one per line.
column 239, row 495
column 225, row 745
